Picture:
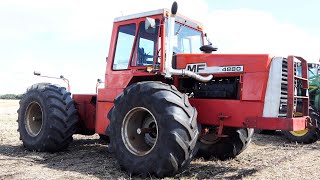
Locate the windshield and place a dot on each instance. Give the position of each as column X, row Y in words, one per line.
column 313, row 69
column 186, row 40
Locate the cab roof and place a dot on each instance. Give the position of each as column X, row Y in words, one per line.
column 165, row 12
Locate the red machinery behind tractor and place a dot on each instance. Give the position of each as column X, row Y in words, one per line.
column 167, row 98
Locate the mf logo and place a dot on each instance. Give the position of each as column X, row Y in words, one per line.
column 196, row 67
column 202, row 68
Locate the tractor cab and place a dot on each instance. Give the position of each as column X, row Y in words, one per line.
column 139, row 52
column 140, row 44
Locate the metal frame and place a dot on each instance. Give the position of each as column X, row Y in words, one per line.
column 179, row 18
column 291, row 86
column 140, row 15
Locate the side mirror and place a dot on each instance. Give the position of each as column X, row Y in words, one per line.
column 150, row 25
column 36, row 73
column 99, row 81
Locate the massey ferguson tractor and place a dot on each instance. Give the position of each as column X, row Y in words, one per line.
column 167, row 97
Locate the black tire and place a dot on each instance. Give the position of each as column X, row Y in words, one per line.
column 47, row 118
column 236, row 142
column 174, row 129
column 104, row 138
column 265, row 132
column 316, row 108
column 307, row 136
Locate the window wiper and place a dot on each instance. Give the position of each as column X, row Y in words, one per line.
column 180, row 27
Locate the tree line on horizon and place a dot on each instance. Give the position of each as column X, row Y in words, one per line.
column 10, row 96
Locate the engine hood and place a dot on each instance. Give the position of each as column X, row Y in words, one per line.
column 223, row 63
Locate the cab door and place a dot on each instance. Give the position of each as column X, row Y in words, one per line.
column 146, row 47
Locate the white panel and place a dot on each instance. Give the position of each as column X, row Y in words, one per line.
column 272, row 98
column 139, row 15
column 179, row 18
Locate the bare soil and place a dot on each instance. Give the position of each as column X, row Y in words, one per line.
column 268, row 157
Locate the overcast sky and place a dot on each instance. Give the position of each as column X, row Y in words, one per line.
column 72, row 37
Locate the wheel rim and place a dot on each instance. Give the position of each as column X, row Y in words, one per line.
column 209, row 139
column 210, row 136
column 139, row 131
column 34, row 119
column 302, row 132
column 299, row 133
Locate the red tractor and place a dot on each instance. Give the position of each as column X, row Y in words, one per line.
column 167, row 98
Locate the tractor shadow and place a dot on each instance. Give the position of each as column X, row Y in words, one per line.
column 91, row 157
column 269, row 138
column 214, row 169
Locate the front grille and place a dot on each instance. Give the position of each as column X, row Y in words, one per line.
column 284, row 89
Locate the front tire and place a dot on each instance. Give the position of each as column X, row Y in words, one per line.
column 224, row 148
column 306, row 136
column 47, row 118
column 153, row 129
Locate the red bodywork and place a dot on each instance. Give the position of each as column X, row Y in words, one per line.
column 244, row 112
column 86, row 105
column 247, row 111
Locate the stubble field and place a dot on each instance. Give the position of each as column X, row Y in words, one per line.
column 268, row 157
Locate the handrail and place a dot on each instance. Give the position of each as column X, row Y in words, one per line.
column 291, row 86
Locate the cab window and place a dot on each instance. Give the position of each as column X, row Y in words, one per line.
column 186, row 40
column 145, row 47
column 124, row 46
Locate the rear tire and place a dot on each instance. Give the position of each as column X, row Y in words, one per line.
column 306, row 136
column 236, row 142
column 153, row 129
column 47, row 118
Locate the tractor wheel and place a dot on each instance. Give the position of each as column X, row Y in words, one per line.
column 153, row 129
column 265, row 132
column 306, row 136
column 104, row 138
column 235, row 142
column 47, row 118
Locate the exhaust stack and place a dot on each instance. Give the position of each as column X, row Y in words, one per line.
column 169, row 51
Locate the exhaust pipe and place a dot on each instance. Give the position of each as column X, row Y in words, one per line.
column 169, row 71
column 191, row 74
